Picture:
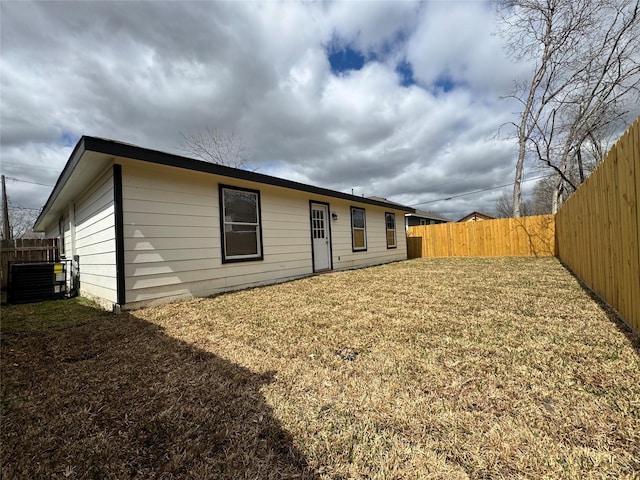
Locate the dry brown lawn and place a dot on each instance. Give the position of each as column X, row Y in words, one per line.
column 432, row 368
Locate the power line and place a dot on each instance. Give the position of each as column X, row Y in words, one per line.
column 414, row 205
column 478, row 191
column 29, row 165
column 27, row 181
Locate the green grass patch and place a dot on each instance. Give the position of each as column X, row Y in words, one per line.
column 50, row 315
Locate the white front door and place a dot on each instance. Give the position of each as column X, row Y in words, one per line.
column 320, row 236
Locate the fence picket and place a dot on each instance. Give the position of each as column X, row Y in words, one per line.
column 598, row 228
column 526, row 236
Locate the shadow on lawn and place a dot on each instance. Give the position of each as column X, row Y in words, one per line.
column 117, row 398
column 614, row 317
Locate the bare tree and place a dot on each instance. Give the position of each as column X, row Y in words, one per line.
column 585, row 69
column 21, row 220
column 214, row 146
column 539, row 202
column 541, row 199
column 536, row 32
column 504, row 206
column 596, row 105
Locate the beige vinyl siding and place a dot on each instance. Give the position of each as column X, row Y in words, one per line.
column 172, row 235
column 95, row 241
column 52, row 231
column 377, row 251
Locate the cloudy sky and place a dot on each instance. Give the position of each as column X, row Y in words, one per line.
column 397, row 99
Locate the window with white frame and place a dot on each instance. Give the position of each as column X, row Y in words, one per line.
column 390, row 222
column 358, row 229
column 240, row 221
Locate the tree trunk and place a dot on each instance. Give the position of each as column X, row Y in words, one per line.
column 555, row 200
column 580, row 166
column 517, row 184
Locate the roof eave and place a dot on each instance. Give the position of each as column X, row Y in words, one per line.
column 74, row 158
column 119, row 149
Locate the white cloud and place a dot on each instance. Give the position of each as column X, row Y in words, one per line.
column 372, row 26
column 144, row 72
column 460, row 42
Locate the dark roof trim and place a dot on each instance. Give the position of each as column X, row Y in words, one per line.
column 389, row 202
column 119, row 149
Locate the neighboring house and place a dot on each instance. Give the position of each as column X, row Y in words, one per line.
column 150, row 227
column 420, row 217
column 417, row 217
column 475, row 216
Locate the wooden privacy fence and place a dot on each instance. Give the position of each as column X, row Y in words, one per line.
column 596, row 233
column 524, row 236
column 25, row 250
column 598, row 228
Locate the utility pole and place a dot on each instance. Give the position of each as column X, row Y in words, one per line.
column 6, row 228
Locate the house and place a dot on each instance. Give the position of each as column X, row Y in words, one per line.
column 475, row 216
column 420, row 217
column 149, row 227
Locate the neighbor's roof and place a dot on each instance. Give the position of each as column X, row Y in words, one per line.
column 92, row 155
column 480, row 215
column 431, row 215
